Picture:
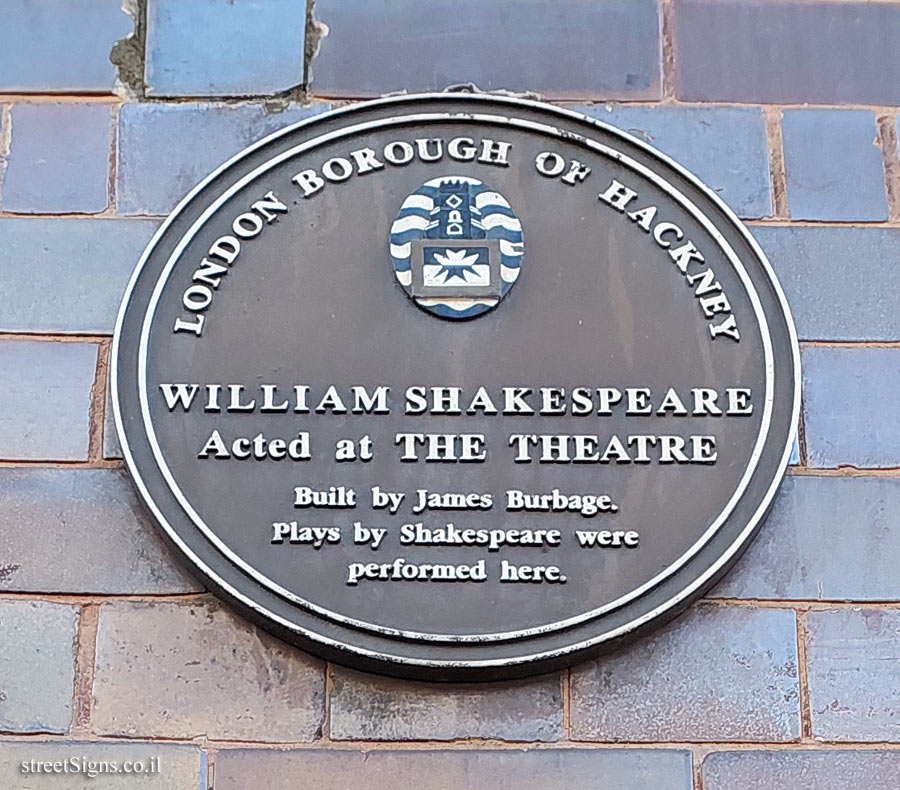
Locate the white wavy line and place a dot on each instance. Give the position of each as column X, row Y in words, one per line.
column 509, row 274
column 404, row 278
column 510, row 247
column 493, row 220
column 491, row 198
column 418, row 201
column 409, row 223
column 401, row 250
column 456, row 304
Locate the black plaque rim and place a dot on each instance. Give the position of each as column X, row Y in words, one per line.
column 478, row 668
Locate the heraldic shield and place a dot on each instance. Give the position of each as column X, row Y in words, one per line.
column 456, row 247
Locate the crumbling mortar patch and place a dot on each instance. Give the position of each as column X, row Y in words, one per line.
column 697, row 768
column 127, row 54
column 274, row 105
column 84, row 649
column 806, row 723
column 113, row 149
column 801, row 441
column 777, row 168
column 5, row 143
column 209, row 759
column 98, row 403
column 667, row 50
column 471, row 87
column 316, row 30
column 887, row 142
column 6, row 134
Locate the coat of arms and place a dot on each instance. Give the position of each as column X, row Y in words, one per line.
column 456, row 246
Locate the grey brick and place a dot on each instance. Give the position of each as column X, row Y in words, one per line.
column 787, row 52
column 58, row 159
column 716, row 674
column 153, row 176
column 37, row 666
column 559, row 48
column 841, row 282
column 854, row 685
column 179, row 767
column 59, row 47
column 371, row 707
column 806, row 770
column 833, row 165
column 725, row 147
column 850, row 406
column 45, row 399
column 263, row 41
column 111, row 446
column 209, row 673
column 80, row 531
column 38, row 258
column 827, row 538
column 538, row 769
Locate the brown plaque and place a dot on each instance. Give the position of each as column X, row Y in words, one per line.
column 455, row 386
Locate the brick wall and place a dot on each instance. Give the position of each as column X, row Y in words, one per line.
column 786, row 677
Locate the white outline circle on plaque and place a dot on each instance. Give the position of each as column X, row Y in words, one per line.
column 593, row 641
column 423, row 636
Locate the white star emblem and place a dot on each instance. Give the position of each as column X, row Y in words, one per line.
column 456, row 258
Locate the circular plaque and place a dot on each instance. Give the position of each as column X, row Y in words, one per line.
column 455, row 386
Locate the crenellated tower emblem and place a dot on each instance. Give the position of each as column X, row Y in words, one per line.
column 456, row 247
